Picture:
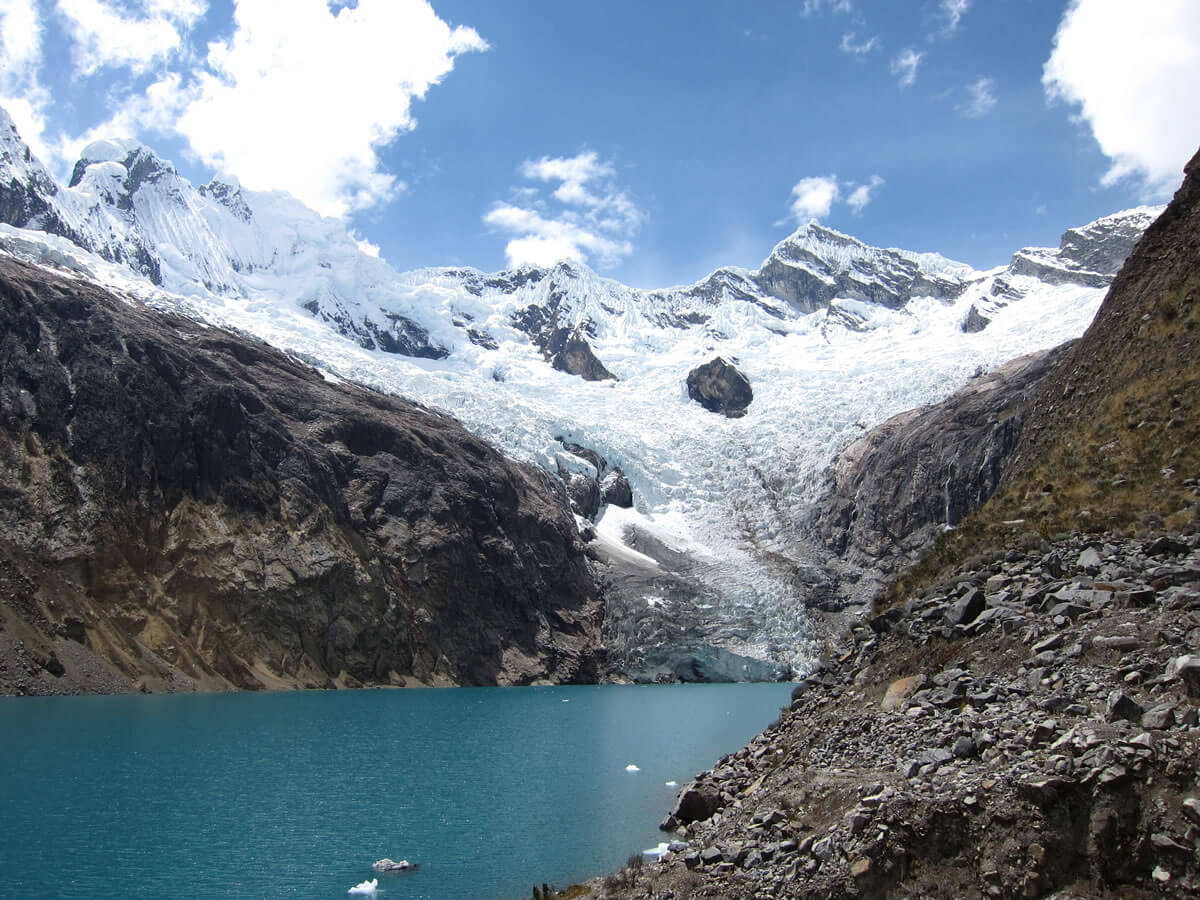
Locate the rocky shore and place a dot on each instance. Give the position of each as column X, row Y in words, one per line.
column 1025, row 729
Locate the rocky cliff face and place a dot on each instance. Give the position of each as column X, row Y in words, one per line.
column 187, row 508
column 923, row 471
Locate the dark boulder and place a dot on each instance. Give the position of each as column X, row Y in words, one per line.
column 584, row 493
column 719, row 387
column 975, row 321
column 697, row 802
column 615, row 490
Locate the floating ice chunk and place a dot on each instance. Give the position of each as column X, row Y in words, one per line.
column 365, row 888
column 658, row 852
column 632, row 768
column 672, row 784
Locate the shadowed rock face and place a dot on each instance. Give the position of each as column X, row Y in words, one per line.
column 719, row 387
column 198, row 510
column 923, row 470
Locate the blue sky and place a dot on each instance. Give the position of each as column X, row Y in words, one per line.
column 653, row 140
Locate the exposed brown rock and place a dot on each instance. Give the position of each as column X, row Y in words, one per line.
column 195, row 509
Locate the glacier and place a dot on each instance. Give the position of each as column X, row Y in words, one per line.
column 835, row 336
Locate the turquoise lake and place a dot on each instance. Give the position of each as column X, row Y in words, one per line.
column 490, row 790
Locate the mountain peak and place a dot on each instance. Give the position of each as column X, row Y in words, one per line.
column 140, row 163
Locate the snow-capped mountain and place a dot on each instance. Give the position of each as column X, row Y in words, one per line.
column 580, row 373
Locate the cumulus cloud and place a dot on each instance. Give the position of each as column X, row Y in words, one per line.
column 1132, row 70
column 103, row 35
column 860, row 49
column 814, row 197
column 861, row 195
column 21, row 94
column 904, row 66
column 590, row 216
column 302, row 101
column 981, row 99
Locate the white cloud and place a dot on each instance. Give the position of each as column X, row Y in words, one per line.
column 861, row 195
column 593, row 217
column 811, row 7
column 1132, row 70
column 103, row 36
column 850, row 48
column 814, row 197
column 981, row 100
column 21, row 95
column 301, row 102
column 953, row 11
column 155, row 108
column 904, row 66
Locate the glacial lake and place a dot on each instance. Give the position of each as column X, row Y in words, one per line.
column 490, row 790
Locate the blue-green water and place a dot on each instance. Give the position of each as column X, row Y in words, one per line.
column 295, row 795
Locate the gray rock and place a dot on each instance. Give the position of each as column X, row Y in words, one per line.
column 1159, row 717
column 697, row 802
column 719, row 387
column 1187, row 670
column 1191, row 810
column 1167, row 545
column 615, row 490
column 966, row 608
column 1089, row 560
column 1121, row 706
column 824, row 848
column 1121, row 642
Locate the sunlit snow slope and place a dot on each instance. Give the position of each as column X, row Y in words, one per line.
column 834, row 336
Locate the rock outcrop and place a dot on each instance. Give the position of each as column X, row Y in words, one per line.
column 719, row 387
column 924, row 470
column 187, row 508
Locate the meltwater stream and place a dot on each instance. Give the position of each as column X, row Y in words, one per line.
column 490, row 790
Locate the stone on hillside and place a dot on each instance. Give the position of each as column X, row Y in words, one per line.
column 975, row 321
column 1089, row 560
column 719, row 387
column 966, row 608
column 1159, row 717
column 1187, row 670
column 1167, row 545
column 1191, row 809
column 615, row 490
column 584, row 493
column 696, row 803
column 1121, row 706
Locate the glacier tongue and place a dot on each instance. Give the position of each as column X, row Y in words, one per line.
column 834, row 336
